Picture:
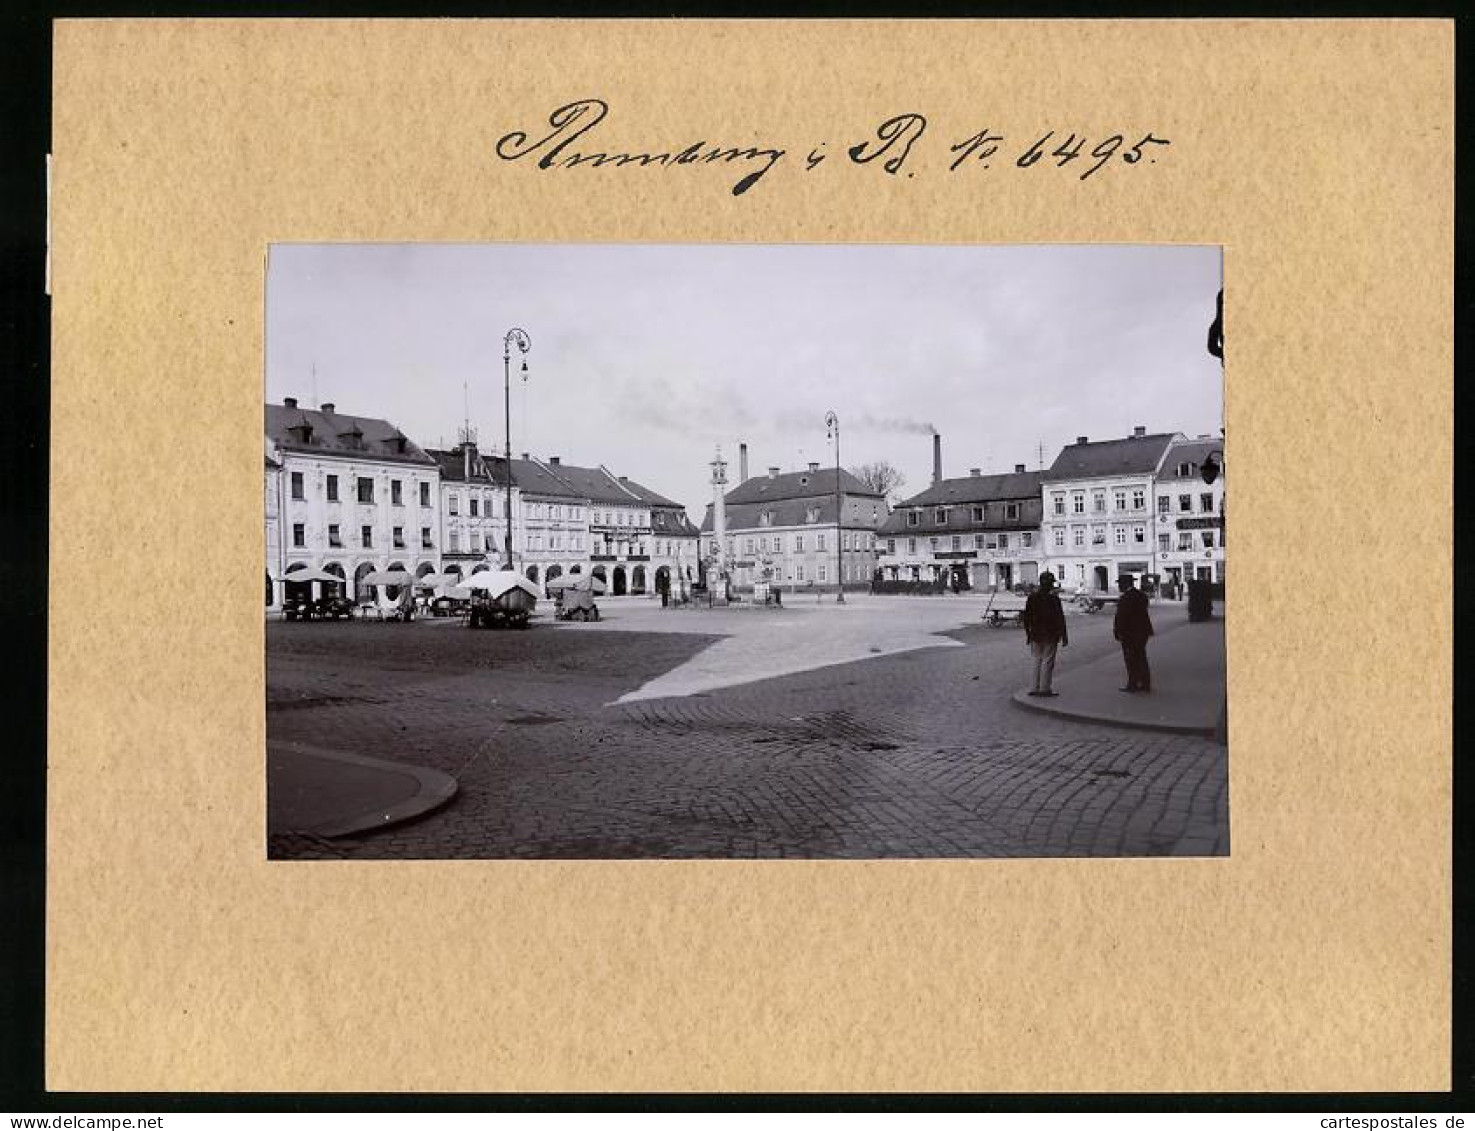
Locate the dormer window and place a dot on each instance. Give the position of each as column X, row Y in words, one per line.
column 765, row 518
column 352, row 438
column 812, row 514
column 302, row 433
column 941, row 516
column 914, row 517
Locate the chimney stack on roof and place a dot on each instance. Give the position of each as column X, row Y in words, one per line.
column 553, row 460
column 524, row 455
column 742, row 463
column 975, row 471
column 813, row 466
column 773, row 473
column 1140, row 430
column 1082, row 440
column 1019, row 469
column 936, row 459
column 328, row 408
column 290, row 402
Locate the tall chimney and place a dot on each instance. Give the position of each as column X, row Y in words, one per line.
column 936, row 459
column 742, row 463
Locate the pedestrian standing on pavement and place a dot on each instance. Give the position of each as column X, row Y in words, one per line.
column 1044, row 632
column 1133, row 627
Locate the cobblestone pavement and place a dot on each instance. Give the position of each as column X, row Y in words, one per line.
column 918, row 754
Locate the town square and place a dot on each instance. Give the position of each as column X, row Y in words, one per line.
column 700, row 620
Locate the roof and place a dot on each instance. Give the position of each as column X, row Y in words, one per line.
column 798, row 485
column 593, row 483
column 979, row 489
column 1133, row 455
column 484, row 468
column 361, row 437
column 535, row 478
column 960, row 518
column 645, row 494
column 867, row 511
column 673, row 524
column 1190, row 451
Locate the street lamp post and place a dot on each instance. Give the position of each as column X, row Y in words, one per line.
column 832, row 422
column 520, row 339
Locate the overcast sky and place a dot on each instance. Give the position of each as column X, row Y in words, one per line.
column 644, row 358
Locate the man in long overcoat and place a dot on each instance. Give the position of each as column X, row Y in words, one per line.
column 1133, row 628
column 1044, row 632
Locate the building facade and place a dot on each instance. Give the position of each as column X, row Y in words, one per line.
column 1190, row 515
column 1099, row 519
column 276, row 564
column 357, row 494
column 783, row 529
column 473, row 508
column 976, row 532
column 674, row 542
column 551, row 526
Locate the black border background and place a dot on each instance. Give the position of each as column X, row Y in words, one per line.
column 25, row 86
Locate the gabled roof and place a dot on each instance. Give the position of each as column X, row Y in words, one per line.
column 798, row 485
column 485, row 469
column 362, row 437
column 593, row 483
column 960, row 518
column 1190, row 451
column 979, row 489
column 673, row 524
column 1133, row 455
column 865, row 511
column 645, row 494
column 535, row 478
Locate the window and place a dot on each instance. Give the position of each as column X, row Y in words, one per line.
column 1185, row 503
column 333, row 538
column 1059, row 500
column 453, row 503
column 1003, row 541
column 811, row 514
column 425, row 538
column 1139, row 535
column 1078, row 536
column 1139, row 498
column 366, row 537
column 299, row 534
column 474, row 508
column 1206, row 502
column 1029, row 539
column 297, row 485
column 1185, row 541
column 1163, row 504
column 1060, row 538
column 1098, row 535
column 424, row 494
column 399, row 537
column 1121, row 535
column 332, row 488
column 1208, row 538
column 993, row 542
column 1078, row 503
column 978, row 512
column 751, row 546
column 1120, row 497
column 365, row 489
column 957, row 542
column 911, row 545
column 765, row 518
column 799, row 572
column 941, row 516
column 822, row 573
column 978, row 541
column 1163, row 541
column 933, row 543
column 396, row 493
column 913, row 517
column 819, row 542
column 1011, row 511
column 798, row 543
column 891, row 545
column 1098, row 502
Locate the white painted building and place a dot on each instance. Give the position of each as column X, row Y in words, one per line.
column 356, row 494
column 473, row 508
column 1190, row 514
column 1099, row 519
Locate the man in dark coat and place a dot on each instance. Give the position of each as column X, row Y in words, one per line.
column 1133, row 627
column 1044, row 632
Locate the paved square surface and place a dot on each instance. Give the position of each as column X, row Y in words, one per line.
column 732, row 733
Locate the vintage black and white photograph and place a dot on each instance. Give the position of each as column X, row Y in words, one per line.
column 744, row 551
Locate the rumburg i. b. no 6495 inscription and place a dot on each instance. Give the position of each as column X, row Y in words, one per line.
column 891, row 144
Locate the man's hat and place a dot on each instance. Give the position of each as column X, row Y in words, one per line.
column 1047, row 580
